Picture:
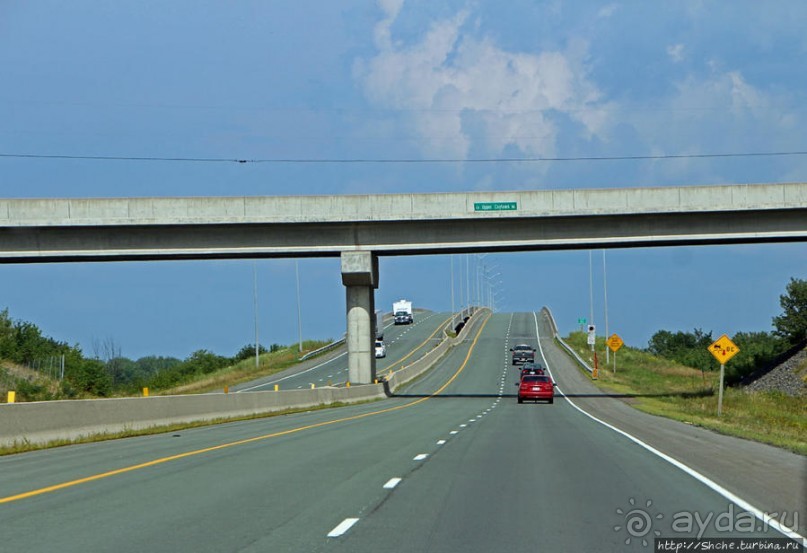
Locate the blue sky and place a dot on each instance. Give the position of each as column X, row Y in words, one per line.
column 315, row 80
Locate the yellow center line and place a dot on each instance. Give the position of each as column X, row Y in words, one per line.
column 162, row 460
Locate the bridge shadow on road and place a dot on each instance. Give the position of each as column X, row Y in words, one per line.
column 705, row 393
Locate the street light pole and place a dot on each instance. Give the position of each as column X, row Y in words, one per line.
column 299, row 309
column 255, row 302
column 591, row 292
column 452, row 292
column 605, row 298
column 468, row 282
column 459, row 280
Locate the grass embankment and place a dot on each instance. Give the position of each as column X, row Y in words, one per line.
column 34, row 386
column 245, row 370
column 663, row 387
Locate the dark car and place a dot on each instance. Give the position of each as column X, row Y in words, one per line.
column 532, row 368
column 522, row 353
column 536, row 387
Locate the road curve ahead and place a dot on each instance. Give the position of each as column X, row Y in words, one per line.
column 451, row 464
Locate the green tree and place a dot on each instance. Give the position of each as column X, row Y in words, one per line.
column 91, row 377
column 757, row 349
column 7, row 342
column 688, row 348
column 792, row 323
column 248, row 351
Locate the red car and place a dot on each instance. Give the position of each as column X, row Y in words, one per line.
column 532, row 368
column 536, row 387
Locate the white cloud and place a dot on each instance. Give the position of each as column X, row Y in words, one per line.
column 676, row 52
column 391, row 9
column 464, row 92
column 607, row 11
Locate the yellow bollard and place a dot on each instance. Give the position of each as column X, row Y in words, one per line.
column 347, row 384
column 375, row 381
column 226, row 389
column 312, row 386
column 145, row 392
column 12, row 397
column 277, row 387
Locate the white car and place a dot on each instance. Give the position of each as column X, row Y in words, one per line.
column 380, row 349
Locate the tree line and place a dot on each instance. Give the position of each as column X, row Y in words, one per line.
column 107, row 372
column 757, row 349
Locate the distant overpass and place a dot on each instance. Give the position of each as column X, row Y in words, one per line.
column 361, row 228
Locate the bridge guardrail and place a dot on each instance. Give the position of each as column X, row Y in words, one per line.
column 323, row 349
column 560, row 340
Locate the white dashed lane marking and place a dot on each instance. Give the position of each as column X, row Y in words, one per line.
column 343, row 527
column 391, row 483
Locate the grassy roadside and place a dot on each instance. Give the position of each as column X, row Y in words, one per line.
column 662, row 387
column 245, row 370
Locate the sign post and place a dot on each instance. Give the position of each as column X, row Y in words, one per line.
column 722, row 349
column 614, row 343
column 582, row 322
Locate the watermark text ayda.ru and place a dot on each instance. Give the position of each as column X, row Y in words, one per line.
column 642, row 522
column 729, row 521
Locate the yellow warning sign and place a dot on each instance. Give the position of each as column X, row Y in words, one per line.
column 723, row 349
column 614, row 342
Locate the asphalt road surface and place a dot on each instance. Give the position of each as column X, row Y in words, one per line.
column 404, row 343
column 453, row 464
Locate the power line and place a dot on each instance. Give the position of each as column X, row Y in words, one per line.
column 399, row 160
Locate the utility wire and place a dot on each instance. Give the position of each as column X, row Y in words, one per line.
column 400, row 160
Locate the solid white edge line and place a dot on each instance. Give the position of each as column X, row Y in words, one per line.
column 392, row 482
column 743, row 504
column 343, row 527
column 291, row 375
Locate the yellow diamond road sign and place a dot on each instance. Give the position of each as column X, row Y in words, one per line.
column 615, row 342
column 724, row 349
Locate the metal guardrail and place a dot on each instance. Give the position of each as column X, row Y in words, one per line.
column 323, row 349
column 566, row 346
column 337, row 343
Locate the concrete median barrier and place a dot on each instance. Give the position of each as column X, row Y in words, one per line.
column 45, row 421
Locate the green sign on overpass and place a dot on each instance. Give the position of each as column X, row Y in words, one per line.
column 495, row 206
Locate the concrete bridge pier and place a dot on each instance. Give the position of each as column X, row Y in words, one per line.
column 360, row 277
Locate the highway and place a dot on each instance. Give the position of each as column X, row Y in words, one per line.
column 404, row 343
column 451, row 464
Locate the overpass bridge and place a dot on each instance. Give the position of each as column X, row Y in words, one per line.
column 361, row 228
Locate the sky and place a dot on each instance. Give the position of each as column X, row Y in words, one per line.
column 310, row 92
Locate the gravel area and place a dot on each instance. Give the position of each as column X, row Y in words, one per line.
column 783, row 378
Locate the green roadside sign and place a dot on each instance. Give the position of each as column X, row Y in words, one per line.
column 495, row 206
